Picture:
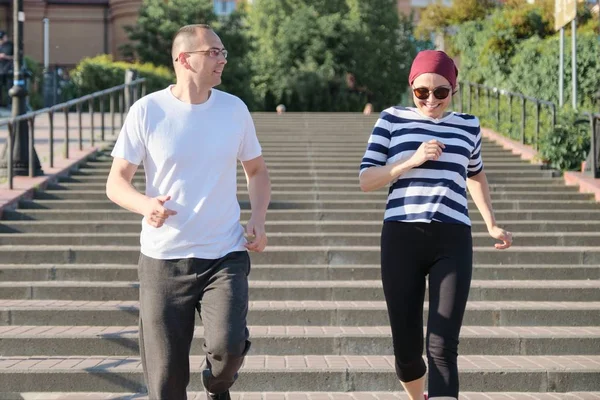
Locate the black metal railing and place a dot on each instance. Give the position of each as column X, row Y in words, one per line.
column 518, row 116
column 497, row 106
column 125, row 94
column 594, row 156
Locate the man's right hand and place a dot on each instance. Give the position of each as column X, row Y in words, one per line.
column 156, row 213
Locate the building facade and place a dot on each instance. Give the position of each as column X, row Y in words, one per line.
column 84, row 28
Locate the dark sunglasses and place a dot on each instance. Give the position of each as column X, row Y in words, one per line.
column 439, row 93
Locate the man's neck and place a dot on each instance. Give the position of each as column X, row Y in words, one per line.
column 191, row 93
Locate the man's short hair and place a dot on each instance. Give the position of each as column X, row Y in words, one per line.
column 2, row 34
column 186, row 34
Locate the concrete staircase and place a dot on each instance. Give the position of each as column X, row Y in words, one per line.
column 68, row 283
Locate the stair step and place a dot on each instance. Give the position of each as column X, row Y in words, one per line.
column 302, row 172
column 309, row 313
column 347, row 215
column 351, row 181
column 314, row 272
column 303, row 373
column 296, row 255
column 317, row 226
column 294, row 196
column 297, row 239
column 311, row 187
column 339, row 205
column 300, row 340
column 339, row 290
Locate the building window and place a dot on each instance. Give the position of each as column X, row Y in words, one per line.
column 224, row 7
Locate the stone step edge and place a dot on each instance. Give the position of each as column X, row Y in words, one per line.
column 291, row 266
column 296, row 305
column 329, row 284
column 299, row 234
column 278, row 249
column 300, row 396
column 299, row 364
column 468, row 331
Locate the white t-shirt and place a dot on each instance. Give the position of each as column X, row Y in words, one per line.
column 190, row 153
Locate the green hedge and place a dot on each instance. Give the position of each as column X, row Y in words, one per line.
column 101, row 72
column 514, row 50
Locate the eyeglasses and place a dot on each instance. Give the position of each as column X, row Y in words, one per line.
column 440, row 92
column 213, row 53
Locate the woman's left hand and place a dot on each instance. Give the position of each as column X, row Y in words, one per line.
column 505, row 236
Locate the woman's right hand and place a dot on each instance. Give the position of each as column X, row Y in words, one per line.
column 431, row 150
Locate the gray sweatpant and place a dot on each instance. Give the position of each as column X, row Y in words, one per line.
column 170, row 293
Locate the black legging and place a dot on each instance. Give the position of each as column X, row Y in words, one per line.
column 409, row 252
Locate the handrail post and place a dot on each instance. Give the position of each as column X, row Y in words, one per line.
column 51, row 124
column 31, row 151
column 112, row 113
column 469, row 99
column 594, row 151
column 523, row 116
column 122, row 104
column 537, row 124
column 9, row 157
column 101, row 98
column 510, row 107
column 67, row 132
column 79, row 124
column 91, row 112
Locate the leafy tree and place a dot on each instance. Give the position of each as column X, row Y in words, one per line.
column 382, row 48
column 328, row 55
column 157, row 23
column 159, row 20
column 437, row 18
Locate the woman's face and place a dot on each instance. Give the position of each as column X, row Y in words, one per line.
column 432, row 106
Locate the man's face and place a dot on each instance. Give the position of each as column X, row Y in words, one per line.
column 205, row 62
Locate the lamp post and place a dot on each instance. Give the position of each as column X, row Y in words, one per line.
column 18, row 92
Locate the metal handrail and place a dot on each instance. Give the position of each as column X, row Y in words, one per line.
column 511, row 95
column 594, row 118
column 128, row 93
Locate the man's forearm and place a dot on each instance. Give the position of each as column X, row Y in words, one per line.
column 259, row 191
column 125, row 195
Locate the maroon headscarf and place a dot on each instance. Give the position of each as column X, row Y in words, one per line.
column 433, row 61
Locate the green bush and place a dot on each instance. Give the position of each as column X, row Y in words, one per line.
column 101, row 72
column 515, row 49
column 567, row 146
column 36, row 98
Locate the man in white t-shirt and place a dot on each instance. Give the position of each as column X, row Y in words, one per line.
column 194, row 256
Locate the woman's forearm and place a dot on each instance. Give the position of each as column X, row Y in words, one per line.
column 480, row 193
column 375, row 178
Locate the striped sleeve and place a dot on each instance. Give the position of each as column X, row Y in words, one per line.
column 376, row 154
column 475, row 162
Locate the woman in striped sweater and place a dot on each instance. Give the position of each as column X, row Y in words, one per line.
column 430, row 157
